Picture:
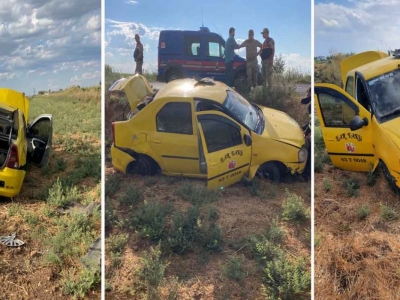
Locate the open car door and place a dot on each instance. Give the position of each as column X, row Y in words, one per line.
column 225, row 149
column 346, row 128
column 40, row 136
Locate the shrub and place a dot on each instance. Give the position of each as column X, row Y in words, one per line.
column 388, row 213
column 196, row 195
column 294, row 208
column 234, row 270
column 363, row 212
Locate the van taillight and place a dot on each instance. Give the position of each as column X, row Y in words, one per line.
column 113, row 132
column 13, row 161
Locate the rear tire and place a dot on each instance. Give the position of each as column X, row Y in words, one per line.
column 271, row 171
column 144, row 166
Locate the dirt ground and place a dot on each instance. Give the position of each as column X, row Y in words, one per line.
column 22, row 270
column 357, row 253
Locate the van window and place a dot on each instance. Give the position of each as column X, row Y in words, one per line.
column 220, row 133
column 214, row 47
column 175, row 117
column 192, row 45
column 335, row 112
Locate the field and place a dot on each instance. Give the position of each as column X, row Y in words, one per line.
column 56, row 213
column 170, row 238
column 357, row 223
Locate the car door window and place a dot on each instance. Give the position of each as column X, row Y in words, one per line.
column 362, row 96
column 335, row 111
column 175, row 117
column 220, row 133
column 192, row 45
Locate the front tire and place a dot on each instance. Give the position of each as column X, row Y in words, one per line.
column 173, row 75
column 389, row 178
column 271, row 171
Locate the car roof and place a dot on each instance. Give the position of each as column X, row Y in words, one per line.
column 378, row 67
column 191, row 88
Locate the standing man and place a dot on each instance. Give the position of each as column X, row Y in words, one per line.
column 267, row 54
column 138, row 55
column 230, row 47
column 251, row 57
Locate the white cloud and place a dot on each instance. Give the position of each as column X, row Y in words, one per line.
column 356, row 26
column 132, row 2
column 48, row 37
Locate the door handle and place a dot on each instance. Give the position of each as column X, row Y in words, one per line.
column 156, row 142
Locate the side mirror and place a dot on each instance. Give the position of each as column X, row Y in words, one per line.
column 247, row 139
column 357, row 123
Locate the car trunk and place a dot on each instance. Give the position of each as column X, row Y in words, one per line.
column 8, row 132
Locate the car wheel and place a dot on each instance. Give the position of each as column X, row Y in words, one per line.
column 389, row 177
column 271, row 171
column 173, row 75
column 146, row 166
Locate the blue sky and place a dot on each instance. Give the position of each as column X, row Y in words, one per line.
column 49, row 44
column 289, row 23
column 356, row 25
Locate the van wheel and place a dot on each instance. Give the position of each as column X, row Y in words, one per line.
column 271, row 172
column 173, row 75
column 144, row 165
column 241, row 84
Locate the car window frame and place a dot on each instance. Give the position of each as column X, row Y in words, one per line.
column 176, row 102
column 222, row 119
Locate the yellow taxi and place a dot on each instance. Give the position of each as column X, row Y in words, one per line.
column 20, row 143
column 361, row 123
column 204, row 129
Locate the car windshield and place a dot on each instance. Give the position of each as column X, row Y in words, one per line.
column 385, row 94
column 241, row 109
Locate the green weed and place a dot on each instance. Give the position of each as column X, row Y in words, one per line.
column 294, row 208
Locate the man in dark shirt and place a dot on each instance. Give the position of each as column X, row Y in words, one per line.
column 138, row 55
column 230, row 47
column 267, row 53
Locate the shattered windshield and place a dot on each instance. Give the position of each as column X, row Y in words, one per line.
column 241, row 109
column 385, row 94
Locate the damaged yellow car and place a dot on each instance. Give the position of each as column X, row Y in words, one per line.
column 361, row 124
column 203, row 129
column 20, row 143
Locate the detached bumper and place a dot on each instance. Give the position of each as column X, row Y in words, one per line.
column 120, row 160
column 11, row 181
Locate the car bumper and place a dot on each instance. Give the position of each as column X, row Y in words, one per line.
column 11, row 182
column 120, row 160
column 296, row 168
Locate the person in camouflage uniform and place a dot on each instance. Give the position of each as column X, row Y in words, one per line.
column 267, row 54
column 251, row 56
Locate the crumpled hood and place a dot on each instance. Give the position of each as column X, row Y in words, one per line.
column 392, row 128
column 280, row 126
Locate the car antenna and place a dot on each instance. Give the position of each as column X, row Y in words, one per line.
column 218, row 31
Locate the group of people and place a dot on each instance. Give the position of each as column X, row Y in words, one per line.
column 266, row 52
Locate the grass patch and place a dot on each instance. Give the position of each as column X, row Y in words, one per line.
column 132, row 196
column 294, row 208
column 352, row 186
column 363, row 212
column 196, row 195
column 327, row 184
column 233, row 270
column 388, row 213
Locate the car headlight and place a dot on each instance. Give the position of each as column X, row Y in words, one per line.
column 303, row 154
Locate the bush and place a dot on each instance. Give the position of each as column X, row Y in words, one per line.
column 184, row 230
column 327, row 184
column 285, row 279
column 388, row 213
column 60, row 196
column 352, row 186
column 275, row 233
column 152, row 271
column 294, row 208
column 150, row 219
column 233, row 270
column 363, row 212
column 132, row 196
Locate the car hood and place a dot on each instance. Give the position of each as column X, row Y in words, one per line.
column 281, row 127
column 11, row 100
column 392, row 129
column 135, row 88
